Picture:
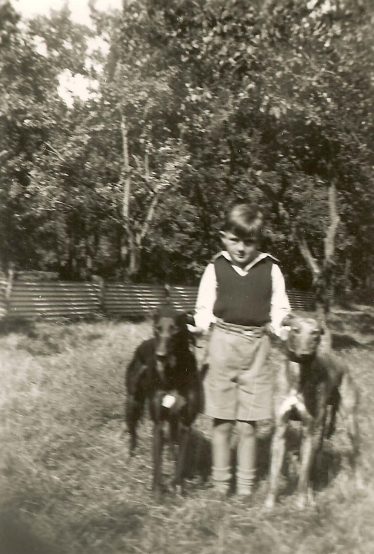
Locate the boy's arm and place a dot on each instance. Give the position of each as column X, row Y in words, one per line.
column 206, row 298
column 280, row 305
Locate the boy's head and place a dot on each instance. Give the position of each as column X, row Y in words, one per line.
column 242, row 231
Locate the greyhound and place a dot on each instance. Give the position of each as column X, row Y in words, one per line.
column 163, row 371
column 311, row 383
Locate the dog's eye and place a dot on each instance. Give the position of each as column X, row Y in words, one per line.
column 295, row 329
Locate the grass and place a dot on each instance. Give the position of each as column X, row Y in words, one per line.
column 67, row 485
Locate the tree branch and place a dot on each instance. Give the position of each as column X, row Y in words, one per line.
column 150, row 213
column 126, row 172
column 54, row 151
column 145, row 175
column 308, row 256
column 329, row 241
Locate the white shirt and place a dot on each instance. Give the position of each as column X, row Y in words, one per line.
column 207, row 294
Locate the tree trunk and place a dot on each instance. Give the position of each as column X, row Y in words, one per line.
column 134, row 257
column 323, row 273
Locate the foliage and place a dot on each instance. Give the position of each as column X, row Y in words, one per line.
column 192, row 104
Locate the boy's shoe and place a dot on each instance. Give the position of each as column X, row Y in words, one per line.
column 219, row 491
column 244, row 495
column 221, row 479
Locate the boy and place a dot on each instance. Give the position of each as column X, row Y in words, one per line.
column 242, row 293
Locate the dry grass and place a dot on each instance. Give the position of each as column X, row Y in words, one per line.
column 68, row 487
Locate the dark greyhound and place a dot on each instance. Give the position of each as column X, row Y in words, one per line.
column 163, row 371
column 312, row 385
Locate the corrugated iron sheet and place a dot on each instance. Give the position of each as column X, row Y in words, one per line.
column 3, row 302
column 52, row 300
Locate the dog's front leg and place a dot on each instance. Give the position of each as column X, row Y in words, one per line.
column 277, row 456
column 307, row 455
column 184, row 438
column 349, row 408
column 158, row 443
column 133, row 413
column 350, row 417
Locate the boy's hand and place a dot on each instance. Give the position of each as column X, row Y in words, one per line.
column 283, row 334
column 269, row 330
column 195, row 330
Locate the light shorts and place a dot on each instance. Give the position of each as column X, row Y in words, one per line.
column 238, row 384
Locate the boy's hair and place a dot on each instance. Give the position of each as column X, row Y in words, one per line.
column 244, row 220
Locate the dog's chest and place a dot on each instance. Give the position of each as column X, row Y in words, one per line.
column 305, row 391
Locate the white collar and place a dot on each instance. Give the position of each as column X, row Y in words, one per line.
column 261, row 256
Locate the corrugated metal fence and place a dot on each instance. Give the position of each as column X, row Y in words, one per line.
column 55, row 299
column 3, row 299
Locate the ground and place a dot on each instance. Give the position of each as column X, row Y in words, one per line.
column 68, row 486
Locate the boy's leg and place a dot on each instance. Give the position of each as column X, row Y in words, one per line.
column 221, row 442
column 246, row 461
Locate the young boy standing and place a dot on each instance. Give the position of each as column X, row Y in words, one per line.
column 242, row 295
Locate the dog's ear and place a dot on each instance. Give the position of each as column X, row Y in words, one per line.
column 286, row 321
column 182, row 319
column 321, row 325
column 155, row 315
column 190, row 319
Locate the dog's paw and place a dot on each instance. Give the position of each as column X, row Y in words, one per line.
column 301, row 501
column 305, row 500
column 269, row 503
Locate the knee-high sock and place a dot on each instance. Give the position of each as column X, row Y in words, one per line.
column 221, row 471
column 246, row 467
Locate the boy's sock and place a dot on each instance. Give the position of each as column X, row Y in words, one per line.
column 221, row 478
column 244, row 481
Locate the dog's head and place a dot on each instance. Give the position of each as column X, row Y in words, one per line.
column 171, row 336
column 303, row 337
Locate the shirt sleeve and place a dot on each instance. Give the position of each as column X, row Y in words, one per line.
column 280, row 305
column 206, row 298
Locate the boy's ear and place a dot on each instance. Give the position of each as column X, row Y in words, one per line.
column 222, row 235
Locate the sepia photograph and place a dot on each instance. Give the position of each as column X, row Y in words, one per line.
column 186, row 276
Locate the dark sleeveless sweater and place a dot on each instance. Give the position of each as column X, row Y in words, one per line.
column 243, row 300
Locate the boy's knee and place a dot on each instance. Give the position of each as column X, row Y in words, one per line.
column 222, row 427
column 246, row 429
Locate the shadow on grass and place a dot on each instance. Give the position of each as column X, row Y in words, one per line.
column 43, row 338
column 15, row 325
column 362, row 322
column 199, row 457
column 326, row 468
column 343, row 341
column 17, row 537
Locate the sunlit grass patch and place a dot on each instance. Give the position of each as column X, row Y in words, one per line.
column 67, row 481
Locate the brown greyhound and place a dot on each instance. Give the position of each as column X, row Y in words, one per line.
column 311, row 383
column 163, row 371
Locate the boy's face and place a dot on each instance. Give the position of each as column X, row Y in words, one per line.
column 242, row 251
